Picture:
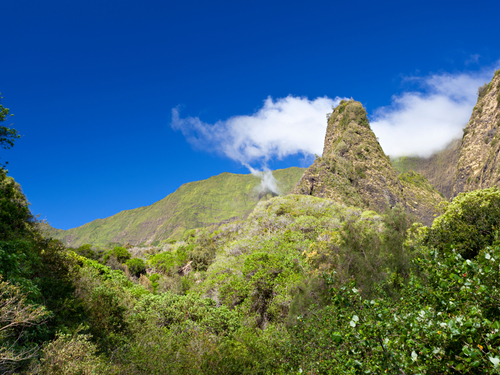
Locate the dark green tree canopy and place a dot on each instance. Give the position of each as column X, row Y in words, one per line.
column 7, row 134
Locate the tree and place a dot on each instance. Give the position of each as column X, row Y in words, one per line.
column 136, row 266
column 7, row 135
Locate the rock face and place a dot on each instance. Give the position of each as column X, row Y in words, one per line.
column 479, row 161
column 354, row 169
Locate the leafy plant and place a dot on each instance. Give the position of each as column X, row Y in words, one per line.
column 444, row 322
column 468, row 224
column 136, row 266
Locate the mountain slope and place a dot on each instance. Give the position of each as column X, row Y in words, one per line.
column 354, row 169
column 479, row 161
column 440, row 168
column 223, row 198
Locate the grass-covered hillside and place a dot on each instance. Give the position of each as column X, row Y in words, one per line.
column 223, row 198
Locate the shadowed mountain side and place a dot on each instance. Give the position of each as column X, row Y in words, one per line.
column 440, row 168
column 223, row 198
column 355, row 171
column 479, row 160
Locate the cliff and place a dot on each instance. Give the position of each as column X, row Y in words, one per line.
column 440, row 168
column 478, row 164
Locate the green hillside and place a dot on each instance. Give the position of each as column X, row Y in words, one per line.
column 219, row 199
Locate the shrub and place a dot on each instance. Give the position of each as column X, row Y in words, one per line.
column 163, row 262
column 468, row 224
column 136, row 266
column 16, row 219
column 107, row 317
column 72, row 355
column 482, row 90
column 16, row 313
column 87, row 251
column 121, row 254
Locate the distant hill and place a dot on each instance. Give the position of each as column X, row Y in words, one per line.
column 219, row 199
column 354, row 170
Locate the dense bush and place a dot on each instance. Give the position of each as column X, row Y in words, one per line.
column 72, row 355
column 136, row 266
column 91, row 252
column 121, row 254
column 16, row 219
column 468, row 224
column 16, row 314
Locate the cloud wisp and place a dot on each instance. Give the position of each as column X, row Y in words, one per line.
column 423, row 122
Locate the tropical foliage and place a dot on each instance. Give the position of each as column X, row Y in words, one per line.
column 303, row 285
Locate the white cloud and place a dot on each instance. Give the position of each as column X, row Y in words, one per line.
column 417, row 122
column 422, row 122
column 282, row 127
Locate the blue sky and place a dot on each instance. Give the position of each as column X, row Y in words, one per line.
column 92, row 86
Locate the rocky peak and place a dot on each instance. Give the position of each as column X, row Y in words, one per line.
column 354, row 169
column 479, row 162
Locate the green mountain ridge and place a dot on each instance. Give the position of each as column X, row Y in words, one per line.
column 217, row 200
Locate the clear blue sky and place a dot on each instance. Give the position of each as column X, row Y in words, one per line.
column 92, row 83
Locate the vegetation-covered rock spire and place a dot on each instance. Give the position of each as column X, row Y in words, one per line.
column 354, row 169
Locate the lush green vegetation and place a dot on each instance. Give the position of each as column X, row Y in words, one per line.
column 304, row 285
